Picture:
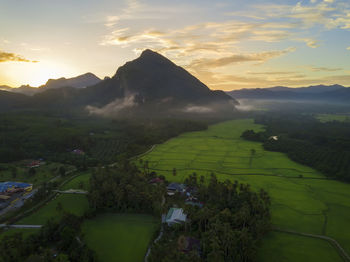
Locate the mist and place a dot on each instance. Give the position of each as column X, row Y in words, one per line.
column 113, row 108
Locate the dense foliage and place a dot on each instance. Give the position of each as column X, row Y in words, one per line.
column 124, row 189
column 55, row 242
column 33, row 135
column 228, row 227
column 323, row 146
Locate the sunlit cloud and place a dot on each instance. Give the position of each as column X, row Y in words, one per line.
column 326, row 69
column 237, row 58
column 230, row 82
column 12, row 57
column 273, row 73
column 310, row 42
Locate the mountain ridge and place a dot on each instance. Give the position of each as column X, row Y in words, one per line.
column 315, row 92
column 150, row 84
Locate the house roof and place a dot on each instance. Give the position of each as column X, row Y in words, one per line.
column 175, row 215
column 176, row 186
column 7, row 185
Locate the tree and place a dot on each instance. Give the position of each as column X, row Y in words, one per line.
column 14, row 172
column 32, row 171
column 61, row 258
column 59, row 207
column 62, row 170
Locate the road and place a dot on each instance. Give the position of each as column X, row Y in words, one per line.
column 18, row 203
column 71, row 191
column 21, row 226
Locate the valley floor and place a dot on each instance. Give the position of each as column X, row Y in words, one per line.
column 303, row 200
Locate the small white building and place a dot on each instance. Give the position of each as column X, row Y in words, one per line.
column 175, row 216
column 273, row 138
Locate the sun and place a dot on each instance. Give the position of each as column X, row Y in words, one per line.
column 42, row 71
column 33, row 74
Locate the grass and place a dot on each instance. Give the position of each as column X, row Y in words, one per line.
column 333, row 117
column 282, row 247
column 76, row 183
column 311, row 204
column 26, row 232
column 119, row 237
column 43, row 173
column 72, row 203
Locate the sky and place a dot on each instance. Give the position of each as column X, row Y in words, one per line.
column 227, row 44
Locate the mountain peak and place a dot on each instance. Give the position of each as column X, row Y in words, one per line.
column 149, row 55
column 149, row 52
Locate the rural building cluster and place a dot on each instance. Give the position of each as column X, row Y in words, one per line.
column 10, row 192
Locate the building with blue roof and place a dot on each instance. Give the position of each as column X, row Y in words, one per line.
column 7, row 186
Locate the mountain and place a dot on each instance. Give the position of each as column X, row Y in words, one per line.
column 309, row 89
column 332, row 93
column 24, row 89
column 152, row 83
column 149, row 85
column 80, row 81
column 10, row 100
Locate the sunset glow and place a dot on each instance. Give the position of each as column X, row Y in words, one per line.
column 226, row 44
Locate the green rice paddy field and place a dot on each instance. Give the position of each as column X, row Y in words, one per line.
column 72, row 203
column 311, row 204
column 333, row 117
column 76, row 183
column 120, row 237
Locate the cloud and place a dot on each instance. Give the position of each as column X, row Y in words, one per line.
column 230, row 82
column 128, row 12
column 113, row 108
column 208, row 49
column 272, row 73
column 326, row 69
column 12, row 57
column 198, row 109
column 237, row 58
column 348, row 48
column 310, row 42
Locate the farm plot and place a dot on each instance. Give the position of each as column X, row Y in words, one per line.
column 120, row 237
column 333, row 117
column 26, row 232
column 309, row 203
column 282, row 247
column 107, row 150
column 75, row 204
column 79, row 182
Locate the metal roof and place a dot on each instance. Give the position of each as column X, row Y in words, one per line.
column 6, row 185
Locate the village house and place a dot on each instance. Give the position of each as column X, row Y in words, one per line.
column 172, row 188
column 78, row 152
column 175, row 216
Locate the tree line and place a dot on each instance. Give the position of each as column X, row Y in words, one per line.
column 228, row 227
column 30, row 135
column 55, row 242
column 323, row 146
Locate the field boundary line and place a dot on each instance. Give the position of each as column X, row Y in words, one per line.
column 246, row 174
column 343, row 254
column 142, row 154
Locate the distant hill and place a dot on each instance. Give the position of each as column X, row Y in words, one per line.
column 10, row 100
column 332, row 93
column 80, row 81
column 309, row 89
column 24, row 89
column 149, row 85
